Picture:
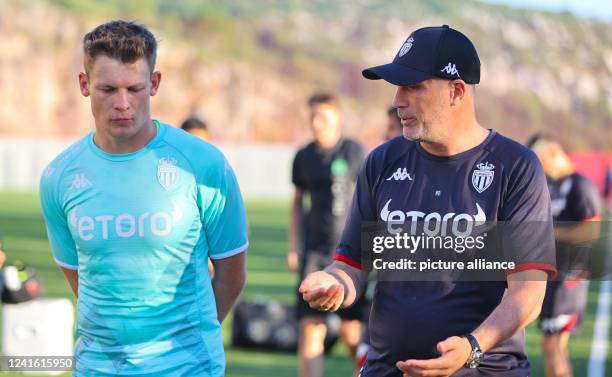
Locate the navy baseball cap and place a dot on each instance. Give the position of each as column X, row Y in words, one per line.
column 437, row 51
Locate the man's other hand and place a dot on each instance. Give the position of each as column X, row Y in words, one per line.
column 455, row 352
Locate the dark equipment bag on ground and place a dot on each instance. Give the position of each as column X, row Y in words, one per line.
column 269, row 325
column 19, row 283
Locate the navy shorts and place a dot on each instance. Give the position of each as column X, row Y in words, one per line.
column 564, row 306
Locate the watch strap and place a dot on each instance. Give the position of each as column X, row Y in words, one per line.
column 473, row 342
column 476, row 354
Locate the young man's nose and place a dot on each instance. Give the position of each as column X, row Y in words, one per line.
column 122, row 100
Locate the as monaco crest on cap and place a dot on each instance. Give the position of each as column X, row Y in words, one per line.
column 482, row 177
column 167, row 172
column 406, row 47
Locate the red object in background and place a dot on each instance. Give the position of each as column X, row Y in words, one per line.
column 595, row 165
column 32, row 287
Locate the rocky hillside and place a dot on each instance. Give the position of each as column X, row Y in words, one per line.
column 248, row 66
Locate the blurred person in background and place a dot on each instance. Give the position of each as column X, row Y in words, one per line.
column 196, row 127
column 2, row 255
column 576, row 212
column 2, row 261
column 607, row 192
column 394, row 124
column 133, row 211
column 324, row 175
column 393, row 130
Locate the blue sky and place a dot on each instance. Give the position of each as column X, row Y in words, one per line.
column 601, row 9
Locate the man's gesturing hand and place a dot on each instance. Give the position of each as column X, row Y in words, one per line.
column 322, row 291
column 455, row 353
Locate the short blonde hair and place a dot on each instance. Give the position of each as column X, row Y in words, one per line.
column 125, row 41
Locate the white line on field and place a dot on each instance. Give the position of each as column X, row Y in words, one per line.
column 599, row 345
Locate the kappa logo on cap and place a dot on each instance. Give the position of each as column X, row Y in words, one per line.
column 450, row 69
column 406, row 47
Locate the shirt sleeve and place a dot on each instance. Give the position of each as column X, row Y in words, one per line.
column 62, row 244
column 585, row 200
column 223, row 215
column 526, row 220
column 362, row 211
column 297, row 171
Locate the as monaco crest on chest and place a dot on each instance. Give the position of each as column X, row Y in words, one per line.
column 482, row 176
column 167, row 172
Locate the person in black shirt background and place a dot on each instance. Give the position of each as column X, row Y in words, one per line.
column 576, row 210
column 324, row 175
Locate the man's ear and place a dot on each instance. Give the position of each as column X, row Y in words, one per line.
column 458, row 91
column 84, row 84
column 155, row 80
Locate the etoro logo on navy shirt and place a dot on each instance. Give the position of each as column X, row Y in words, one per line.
column 434, row 223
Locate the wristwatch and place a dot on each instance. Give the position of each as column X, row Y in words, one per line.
column 476, row 355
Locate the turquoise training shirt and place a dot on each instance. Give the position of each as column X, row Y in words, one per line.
column 139, row 228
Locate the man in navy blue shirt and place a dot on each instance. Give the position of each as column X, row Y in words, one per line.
column 576, row 211
column 451, row 175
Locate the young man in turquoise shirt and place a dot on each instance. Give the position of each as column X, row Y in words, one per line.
column 133, row 211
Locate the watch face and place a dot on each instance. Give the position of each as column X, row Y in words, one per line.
column 479, row 355
column 476, row 359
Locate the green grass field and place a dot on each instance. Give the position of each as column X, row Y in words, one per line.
column 23, row 232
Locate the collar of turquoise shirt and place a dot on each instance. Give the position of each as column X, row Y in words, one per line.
column 126, row 156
